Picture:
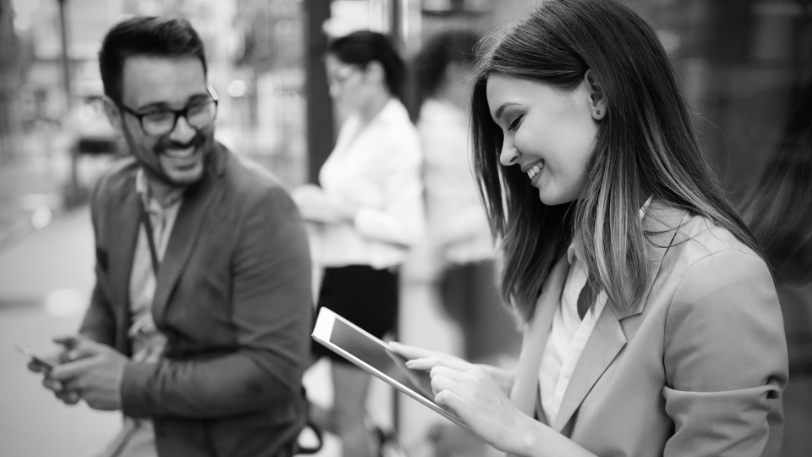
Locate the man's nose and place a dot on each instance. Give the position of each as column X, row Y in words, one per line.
column 183, row 131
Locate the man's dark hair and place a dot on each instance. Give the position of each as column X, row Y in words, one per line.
column 362, row 47
column 145, row 36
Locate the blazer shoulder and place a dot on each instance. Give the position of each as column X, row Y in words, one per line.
column 249, row 179
column 114, row 179
column 700, row 238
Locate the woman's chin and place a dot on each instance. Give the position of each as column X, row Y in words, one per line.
column 554, row 198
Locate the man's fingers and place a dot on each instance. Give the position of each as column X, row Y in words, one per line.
column 37, row 367
column 68, row 397
column 68, row 341
column 52, row 384
column 70, row 370
column 85, row 348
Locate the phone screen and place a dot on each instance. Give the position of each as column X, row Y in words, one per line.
column 379, row 357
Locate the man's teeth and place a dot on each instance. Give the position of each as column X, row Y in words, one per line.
column 180, row 153
column 535, row 170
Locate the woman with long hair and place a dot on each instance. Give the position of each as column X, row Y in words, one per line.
column 778, row 209
column 651, row 323
column 365, row 215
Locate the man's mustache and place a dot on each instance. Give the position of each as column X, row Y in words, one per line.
column 197, row 140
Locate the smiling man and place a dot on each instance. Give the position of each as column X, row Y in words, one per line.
column 198, row 325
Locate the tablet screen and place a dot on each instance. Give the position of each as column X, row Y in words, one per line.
column 379, row 357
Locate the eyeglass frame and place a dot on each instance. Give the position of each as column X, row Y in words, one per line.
column 178, row 114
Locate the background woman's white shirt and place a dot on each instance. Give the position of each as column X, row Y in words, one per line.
column 374, row 172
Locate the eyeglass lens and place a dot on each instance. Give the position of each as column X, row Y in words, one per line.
column 198, row 116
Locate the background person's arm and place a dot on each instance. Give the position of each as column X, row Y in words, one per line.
column 271, row 317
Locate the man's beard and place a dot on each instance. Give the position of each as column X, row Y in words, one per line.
column 200, row 142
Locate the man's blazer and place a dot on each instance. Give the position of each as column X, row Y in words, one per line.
column 233, row 299
column 696, row 369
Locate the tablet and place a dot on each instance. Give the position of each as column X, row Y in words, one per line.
column 373, row 355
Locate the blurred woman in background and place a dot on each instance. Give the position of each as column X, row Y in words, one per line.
column 366, row 213
column 779, row 211
column 459, row 237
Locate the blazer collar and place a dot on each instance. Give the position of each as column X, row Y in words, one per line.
column 660, row 224
column 124, row 222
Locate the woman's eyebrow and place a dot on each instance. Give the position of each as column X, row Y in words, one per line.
column 502, row 108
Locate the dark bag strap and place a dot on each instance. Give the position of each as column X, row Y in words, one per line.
column 153, row 252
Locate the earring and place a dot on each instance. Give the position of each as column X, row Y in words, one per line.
column 598, row 112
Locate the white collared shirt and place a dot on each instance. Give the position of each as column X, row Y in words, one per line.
column 568, row 335
column 374, row 169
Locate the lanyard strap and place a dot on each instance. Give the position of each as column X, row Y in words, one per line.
column 153, row 253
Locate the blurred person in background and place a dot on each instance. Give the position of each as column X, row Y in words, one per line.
column 197, row 330
column 366, row 214
column 458, row 234
column 778, row 208
column 652, row 325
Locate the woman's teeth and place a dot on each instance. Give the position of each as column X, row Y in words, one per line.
column 535, row 170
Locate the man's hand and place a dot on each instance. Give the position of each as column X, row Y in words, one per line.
column 95, row 374
column 65, row 353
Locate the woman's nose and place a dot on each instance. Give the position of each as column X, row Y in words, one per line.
column 509, row 156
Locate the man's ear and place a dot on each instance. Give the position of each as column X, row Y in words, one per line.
column 113, row 113
column 597, row 97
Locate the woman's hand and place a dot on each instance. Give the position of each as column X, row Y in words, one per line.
column 473, row 395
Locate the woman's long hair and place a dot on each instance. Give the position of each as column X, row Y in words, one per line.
column 646, row 145
column 779, row 206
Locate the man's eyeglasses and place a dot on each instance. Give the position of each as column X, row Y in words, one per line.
column 161, row 122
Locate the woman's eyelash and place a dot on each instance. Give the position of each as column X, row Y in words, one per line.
column 515, row 123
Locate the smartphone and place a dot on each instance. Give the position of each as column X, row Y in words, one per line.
column 373, row 355
column 48, row 364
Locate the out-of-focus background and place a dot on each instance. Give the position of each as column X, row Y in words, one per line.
column 738, row 61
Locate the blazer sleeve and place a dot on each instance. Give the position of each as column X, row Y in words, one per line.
column 725, row 358
column 99, row 322
column 271, row 317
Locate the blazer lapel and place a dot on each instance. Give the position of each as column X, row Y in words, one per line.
column 605, row 342
column 188, row 224
column 661, row 224
column 124, row 224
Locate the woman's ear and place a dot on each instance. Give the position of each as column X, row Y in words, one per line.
column 597, row 97
column 374, row 72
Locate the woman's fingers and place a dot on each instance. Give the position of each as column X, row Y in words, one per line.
column 411, row 352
